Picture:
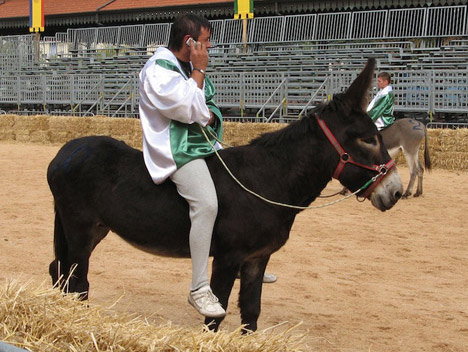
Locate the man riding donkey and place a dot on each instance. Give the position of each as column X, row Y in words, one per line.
column 176, row 101
column 380, row 108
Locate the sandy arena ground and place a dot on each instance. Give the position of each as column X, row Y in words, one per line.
column 358, row 279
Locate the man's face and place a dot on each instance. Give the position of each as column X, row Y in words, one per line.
column 381, row 83
column 204, row 37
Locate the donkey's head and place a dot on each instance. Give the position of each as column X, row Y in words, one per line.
column 359, row 151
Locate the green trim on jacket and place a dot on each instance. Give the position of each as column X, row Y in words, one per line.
column 187, row 140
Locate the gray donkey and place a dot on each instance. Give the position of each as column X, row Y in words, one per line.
column 406, row 135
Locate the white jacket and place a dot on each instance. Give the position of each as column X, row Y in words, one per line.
column 166, row 95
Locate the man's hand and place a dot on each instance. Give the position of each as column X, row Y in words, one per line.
column 199, row 59
column 212, row 118
column 198, row 55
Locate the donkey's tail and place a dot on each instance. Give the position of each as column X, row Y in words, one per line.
column 59, row 265
column 427, row 157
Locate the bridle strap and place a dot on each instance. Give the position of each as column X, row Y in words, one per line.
column 384, row 169
column 345, row 158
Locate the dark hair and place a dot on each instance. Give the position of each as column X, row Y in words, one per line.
column 187, row 24
column 385, row 76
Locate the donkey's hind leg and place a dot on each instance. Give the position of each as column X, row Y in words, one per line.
column 419, row 189
column 412, row 161
column 74, row 240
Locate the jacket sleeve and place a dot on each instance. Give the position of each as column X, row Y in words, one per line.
column 175, row 97
column 382, row 107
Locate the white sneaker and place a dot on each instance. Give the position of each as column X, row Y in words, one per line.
column 269, row 278
column 206, row 303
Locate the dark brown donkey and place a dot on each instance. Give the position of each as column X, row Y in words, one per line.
column 100, row 184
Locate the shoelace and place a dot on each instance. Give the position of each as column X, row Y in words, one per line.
column 211, row 297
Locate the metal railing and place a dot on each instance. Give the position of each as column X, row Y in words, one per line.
column 426, row 23
column 308, row 105
column 448, row 125
column 279, row 94
column 76, row 107
column 129, row 93
column 429, row 91
column 53, row 79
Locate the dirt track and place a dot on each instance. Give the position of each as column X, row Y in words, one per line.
column 358, row 279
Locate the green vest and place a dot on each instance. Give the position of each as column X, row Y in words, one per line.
column 383, row 108
column 187, row 140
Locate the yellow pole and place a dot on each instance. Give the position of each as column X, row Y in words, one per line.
column 244, row 33
column 37, row 44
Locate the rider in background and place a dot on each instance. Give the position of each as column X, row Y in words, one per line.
column 380, row 108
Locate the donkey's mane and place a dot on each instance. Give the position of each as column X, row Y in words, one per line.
column 295, row 130
column 305, row 125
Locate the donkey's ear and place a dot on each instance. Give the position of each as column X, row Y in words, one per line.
column 357, row 95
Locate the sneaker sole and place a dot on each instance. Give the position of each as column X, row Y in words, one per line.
column 208, row 315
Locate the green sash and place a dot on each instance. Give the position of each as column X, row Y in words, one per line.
column 187, row 140
column 383, row 108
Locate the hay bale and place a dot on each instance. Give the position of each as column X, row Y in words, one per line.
column 448, row 148
column 64, row 128
column 40, row 137
column 7, row 121
column 6, row 127
column 43, row 319
column 238, row 133
column 6, row 135
column 99, row 125
column 27, row 129
column 128, row 130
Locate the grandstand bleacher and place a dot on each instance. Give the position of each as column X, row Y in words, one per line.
column 95, row 70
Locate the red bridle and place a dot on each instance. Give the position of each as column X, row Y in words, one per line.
column 345, row 158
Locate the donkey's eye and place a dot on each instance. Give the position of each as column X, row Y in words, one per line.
column 371, row 140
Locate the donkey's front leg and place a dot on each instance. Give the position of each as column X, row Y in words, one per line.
column 250, row 295
column 223, row 275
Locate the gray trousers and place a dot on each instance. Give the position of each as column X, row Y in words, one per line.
column 194, row 183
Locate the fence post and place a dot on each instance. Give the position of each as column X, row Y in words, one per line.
column 101, row 94
column 37, row 47
column 72, row 94
column 283, row 28
column 284, row 96
column 242, row 93
column 18, row 91
column 44, row 91
column 141, row 40
column 425, row 23
column 431, row 95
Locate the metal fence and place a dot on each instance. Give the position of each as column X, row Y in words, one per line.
column 17, row 52
column 22, row 61
column 425, row 23
column 430, row 22
column 423, row 91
